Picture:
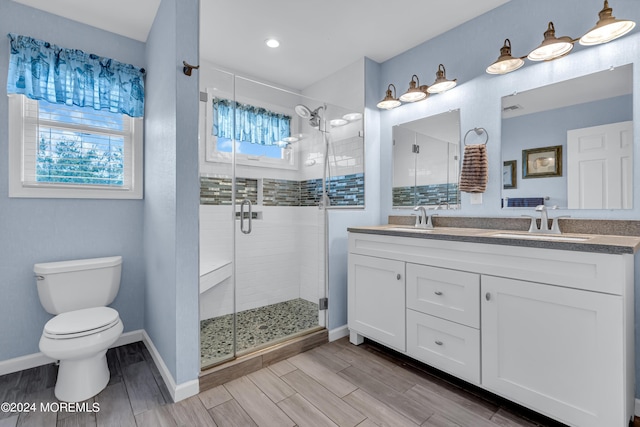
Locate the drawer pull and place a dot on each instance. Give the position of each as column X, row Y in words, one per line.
column 438, row 293
column 488, row 296
column 398, row 276
column 438, row 342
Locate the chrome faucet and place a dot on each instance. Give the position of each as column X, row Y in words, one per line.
column 544, row 222
column 424, row 220
column 544, row 219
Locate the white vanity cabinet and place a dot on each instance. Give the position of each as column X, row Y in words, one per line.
column 443, row 319
column 376, row 306
column 549, row 329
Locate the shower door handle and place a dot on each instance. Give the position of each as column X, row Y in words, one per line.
column 248, row 229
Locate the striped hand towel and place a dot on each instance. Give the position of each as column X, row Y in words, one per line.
column 475, row 169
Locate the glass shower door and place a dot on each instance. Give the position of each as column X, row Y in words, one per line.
column 279, row 230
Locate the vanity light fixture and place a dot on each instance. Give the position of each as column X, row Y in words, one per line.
column 441, row 84
column 415, row 91
column 552, row 47
column 505, row 62
column 607, row 28
column 390, row 101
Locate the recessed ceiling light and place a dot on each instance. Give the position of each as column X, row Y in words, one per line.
column 273, row 43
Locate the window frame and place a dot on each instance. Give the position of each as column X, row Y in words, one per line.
column 288, row 161
column 17, row 188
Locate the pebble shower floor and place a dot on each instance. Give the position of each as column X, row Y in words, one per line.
column 254, row 328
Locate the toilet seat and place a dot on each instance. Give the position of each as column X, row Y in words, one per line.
column 80, row 323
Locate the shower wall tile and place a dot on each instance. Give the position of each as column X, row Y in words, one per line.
column 280, row 192
column 217, row 191
column 426, row 195
column 347, row 190
column 310, row 192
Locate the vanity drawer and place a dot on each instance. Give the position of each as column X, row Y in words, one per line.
column 448, row 294
column 445, row 345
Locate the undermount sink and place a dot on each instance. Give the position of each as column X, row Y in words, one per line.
column 410, row 228
column 553, row 237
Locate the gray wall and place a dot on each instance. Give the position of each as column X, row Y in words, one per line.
column 42, row 230
column 172, row 189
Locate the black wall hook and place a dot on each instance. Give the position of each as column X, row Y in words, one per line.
column 188, row 68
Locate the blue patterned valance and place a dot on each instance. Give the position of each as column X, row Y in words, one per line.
column 253, row 124
column 44, row 71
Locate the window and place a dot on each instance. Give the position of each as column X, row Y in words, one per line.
column 75, row 126
column 57, row 150
column 260, row 135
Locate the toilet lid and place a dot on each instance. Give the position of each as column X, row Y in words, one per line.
column 83, row 322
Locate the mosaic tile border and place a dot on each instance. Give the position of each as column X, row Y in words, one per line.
column 346, row 190
column 434, row 194
column 217, row 191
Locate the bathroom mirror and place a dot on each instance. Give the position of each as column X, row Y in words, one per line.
column 426, row 157
column 570, row 144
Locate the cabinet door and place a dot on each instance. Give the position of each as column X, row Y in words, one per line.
column 556, row 350
column 448, row 294
column 377, row 299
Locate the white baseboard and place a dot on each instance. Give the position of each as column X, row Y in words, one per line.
column 337, row 333
column 178, row 392
column 34, row 360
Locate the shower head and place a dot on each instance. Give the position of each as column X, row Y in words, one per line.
column 303, row 111
column 306, row 113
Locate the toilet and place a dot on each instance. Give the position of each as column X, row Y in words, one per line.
column 78, row 293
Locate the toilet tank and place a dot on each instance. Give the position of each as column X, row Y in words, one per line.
column 72, row 285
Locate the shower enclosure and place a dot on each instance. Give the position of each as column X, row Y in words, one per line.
column 271, row 162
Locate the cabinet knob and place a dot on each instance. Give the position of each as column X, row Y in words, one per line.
column 488, row 296
column 438, row 342
column 438, row 293
column 399, row 276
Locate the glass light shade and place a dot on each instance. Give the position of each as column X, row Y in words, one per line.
column 272, row 43
column 414, row 93
column 388, row 104
column 607, row 28
column 552, row 47
column 338, row 122
column 441, row 84
column 352, row 117
column 290, row 139
column 389, row 101
column 505, row 62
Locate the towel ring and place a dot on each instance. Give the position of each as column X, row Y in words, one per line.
column 478, row 131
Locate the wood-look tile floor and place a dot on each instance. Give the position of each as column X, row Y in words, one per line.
column 336, row 384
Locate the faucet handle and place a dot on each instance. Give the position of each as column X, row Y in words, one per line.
column 555, row 226
column 417, row 220
column 533, row 227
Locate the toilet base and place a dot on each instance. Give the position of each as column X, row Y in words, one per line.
column 81, row 379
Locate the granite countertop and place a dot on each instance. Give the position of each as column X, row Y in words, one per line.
column 599, row 243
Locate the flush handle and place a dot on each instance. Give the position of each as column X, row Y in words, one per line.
column 39, row 278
